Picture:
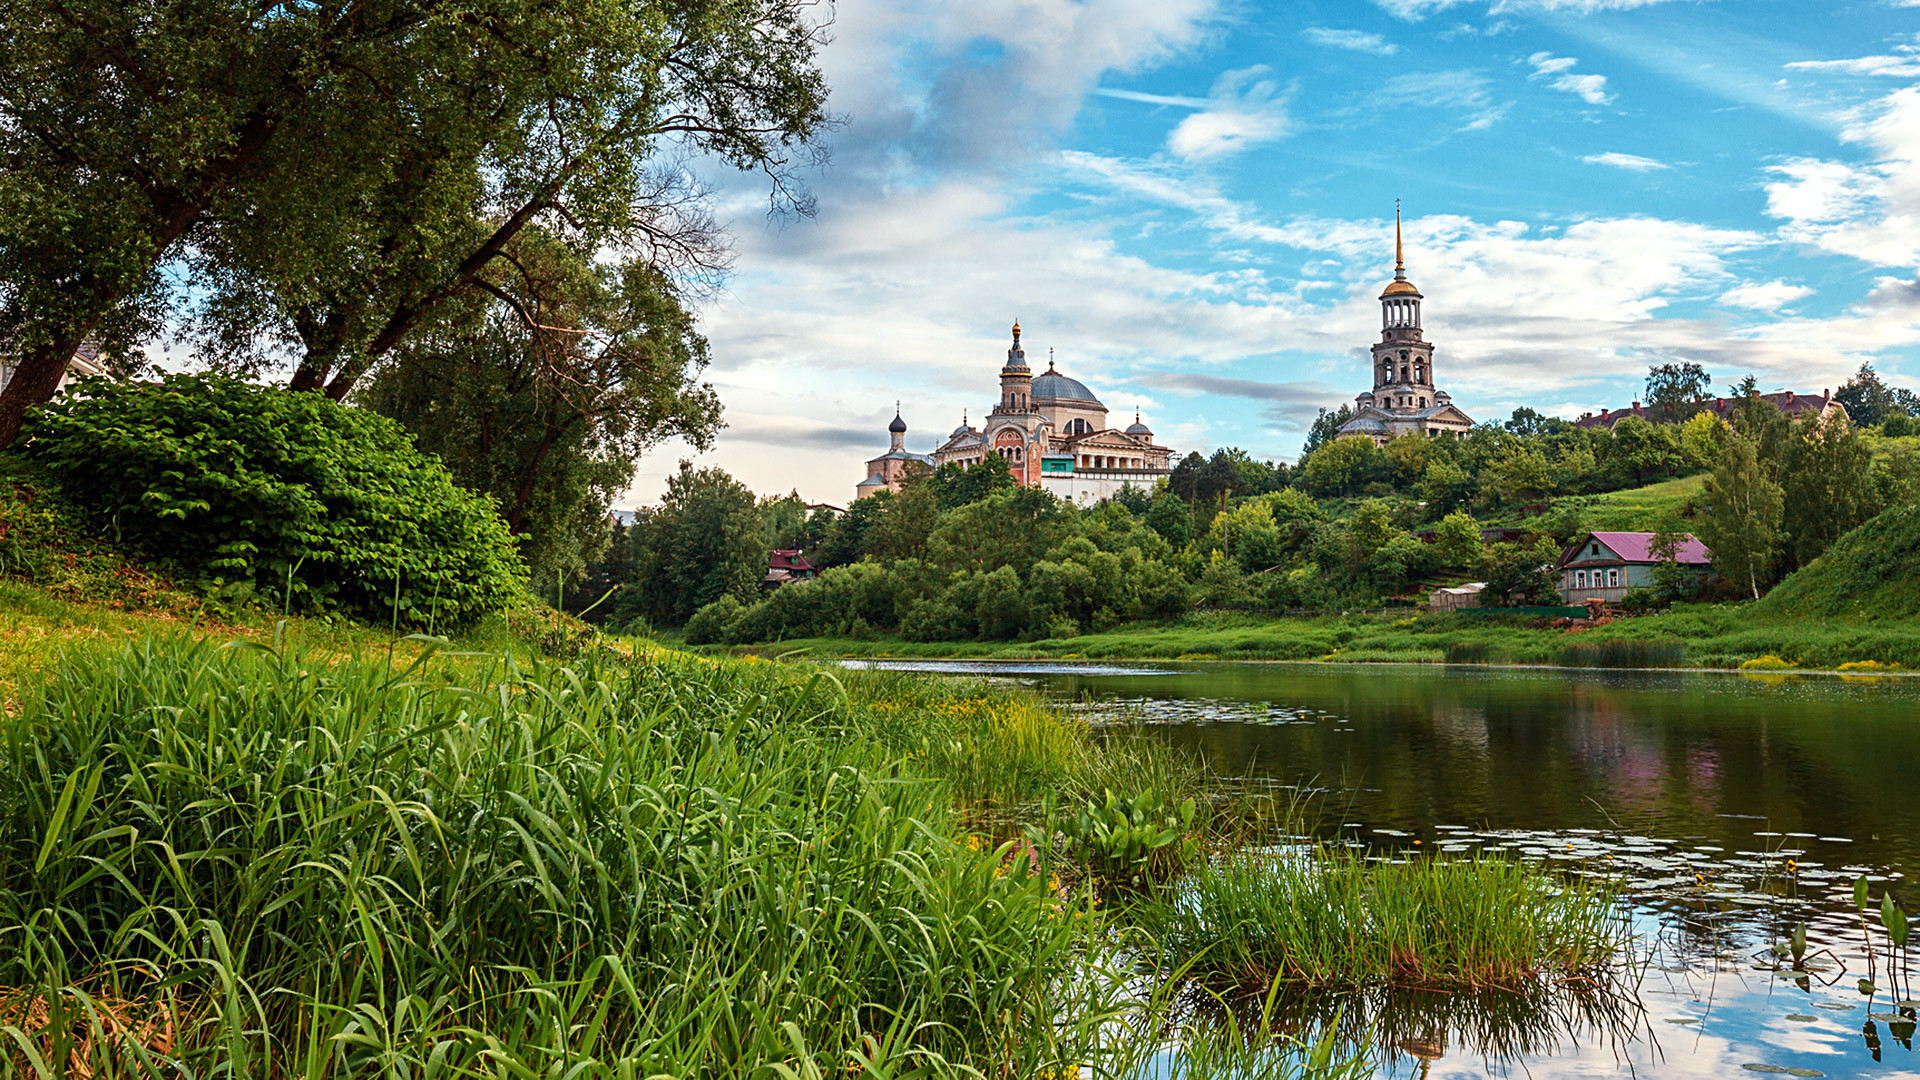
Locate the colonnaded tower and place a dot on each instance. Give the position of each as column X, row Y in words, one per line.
column 1404, row 398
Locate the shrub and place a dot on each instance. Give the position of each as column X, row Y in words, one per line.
column 714, row 623
column 1768, row 662
column 254, row 489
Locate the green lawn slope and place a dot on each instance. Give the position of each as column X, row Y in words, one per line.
column 1872, row 572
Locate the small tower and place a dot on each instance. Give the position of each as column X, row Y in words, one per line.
column 1402, row 359
column 898, row 429
column 1016, row 379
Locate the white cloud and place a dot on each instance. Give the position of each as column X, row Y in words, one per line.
column 1557, row 72
column 1357, row 40
column 1632, row 162
column 1764, row 295
column 1462, row 91
column 1414, row 10
column 1905, row 67
column 1243, row 111
column 1871, row 211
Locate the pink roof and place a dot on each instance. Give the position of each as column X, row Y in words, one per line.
column 1636, row 547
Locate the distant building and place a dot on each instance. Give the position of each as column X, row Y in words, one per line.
column 1794, row 405
column 1404, row 399
column 1456, row 597
column 885, row 471
column 86, row 361
column 1051, row 431
column 1608, row 565
column 785, row 565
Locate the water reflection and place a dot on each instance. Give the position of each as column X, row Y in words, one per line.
column 1728, row 809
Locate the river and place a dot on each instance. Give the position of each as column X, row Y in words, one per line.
column 1728, row 808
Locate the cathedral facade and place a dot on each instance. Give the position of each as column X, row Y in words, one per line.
column 1404, row 398
column 1051, row 430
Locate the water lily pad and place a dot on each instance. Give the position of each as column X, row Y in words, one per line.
column 1801, row 1018
column 1805, row 1072
column 1886, row 1018
column 1683, row 1019
column 1906, row 1004
column 1755, row 1066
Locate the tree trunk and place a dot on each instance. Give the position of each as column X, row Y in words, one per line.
column 34, row 382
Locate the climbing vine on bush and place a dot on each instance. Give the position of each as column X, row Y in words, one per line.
column 288, row 496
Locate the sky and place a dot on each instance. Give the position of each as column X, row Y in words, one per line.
column 1188, row 205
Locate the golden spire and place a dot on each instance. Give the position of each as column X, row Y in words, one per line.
column 1016, row 328
column 1399, row 260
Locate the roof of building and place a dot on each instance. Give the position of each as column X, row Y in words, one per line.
column 1138, row 428
column 1362, row 424
column 787, row 559
column 902, row 455
column 1638, row 547
column 1462, row 590
column 876, row 480
column 1786, row 401
column 1059, row 387
column 1400, row 287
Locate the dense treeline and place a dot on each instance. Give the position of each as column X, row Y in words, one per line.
column 967, row 554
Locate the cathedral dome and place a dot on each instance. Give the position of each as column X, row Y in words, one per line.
column 963, row 429
column 1138, row 428
column 1060, row 388
column 898, row 426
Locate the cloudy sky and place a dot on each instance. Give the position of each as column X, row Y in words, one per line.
column 1190, row 202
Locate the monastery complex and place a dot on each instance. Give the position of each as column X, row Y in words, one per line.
column 1052, row 432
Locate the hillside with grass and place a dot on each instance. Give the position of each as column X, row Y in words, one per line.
column 1870, row 572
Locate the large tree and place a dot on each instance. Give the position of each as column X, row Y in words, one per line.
column 1742, row 515
column 344, row 173
column 1676, row 391
column 123, row 125
column 583, row 137
column 551, row 419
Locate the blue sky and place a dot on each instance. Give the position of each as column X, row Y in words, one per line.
column 1191, row 203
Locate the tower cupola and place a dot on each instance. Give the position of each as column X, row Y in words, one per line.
column 1016, row 378
column 898, row 429
column 1400, row 300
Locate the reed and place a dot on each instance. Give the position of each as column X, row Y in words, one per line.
column 1334, row 918
column 245, row 861
column 1625, row 654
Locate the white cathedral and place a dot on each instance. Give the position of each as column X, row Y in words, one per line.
column 1052, row 432
column 1404, row 398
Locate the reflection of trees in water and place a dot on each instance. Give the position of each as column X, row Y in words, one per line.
column 1410, row 1029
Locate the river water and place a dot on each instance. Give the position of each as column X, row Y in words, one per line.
column 1728, row 808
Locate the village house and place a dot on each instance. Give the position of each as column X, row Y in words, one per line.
column 1455, row 597
column 1608, row 565
column 784, row 565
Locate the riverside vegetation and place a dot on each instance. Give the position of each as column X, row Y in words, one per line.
column 264, row 859
column 1237, row 558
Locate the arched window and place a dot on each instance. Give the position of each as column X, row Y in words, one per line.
column 1079, row 426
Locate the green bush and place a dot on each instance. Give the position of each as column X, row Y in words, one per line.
column 291, row 496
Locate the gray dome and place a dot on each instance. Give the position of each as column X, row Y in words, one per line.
column 963, row 429
column 898, row 424
column 1138, row 428
column 1060, row 388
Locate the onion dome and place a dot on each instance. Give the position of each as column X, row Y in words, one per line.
column 898, row 426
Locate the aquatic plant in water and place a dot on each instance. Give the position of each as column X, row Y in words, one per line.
column 1332, row 918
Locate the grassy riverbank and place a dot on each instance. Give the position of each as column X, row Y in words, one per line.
column 280, row 850
column 1702, row 635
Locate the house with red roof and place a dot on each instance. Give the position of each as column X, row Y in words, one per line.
column 1609, row 565
column 785, row 565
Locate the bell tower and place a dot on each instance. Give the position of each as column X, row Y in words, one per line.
column 1402, row 358
column 1016, row 378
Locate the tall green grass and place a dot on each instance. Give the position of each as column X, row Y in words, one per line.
column 1624, row 654
column 242, row 861
column 1333, row 918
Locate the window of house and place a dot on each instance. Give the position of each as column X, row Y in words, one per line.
column 1580, row 579
column 1613, row 579
column 1596, row 548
